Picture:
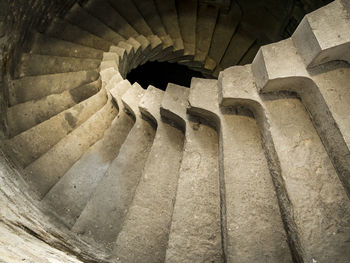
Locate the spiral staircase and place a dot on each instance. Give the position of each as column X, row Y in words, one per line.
column 251, row 163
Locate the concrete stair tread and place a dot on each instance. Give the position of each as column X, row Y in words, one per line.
column 244, row 194
column 22, row 89
column 44, row 45
column 34, row 65
column 168, row 14
column 31, row 144
column 46, row 171
column 23, row 116
column 154, row 194
column 124, row 171
column 187, row 17
column 323, row 43
column 78, row 16
column 222, row 36
column 70, row 195
column 206, row 20
column 68, row 32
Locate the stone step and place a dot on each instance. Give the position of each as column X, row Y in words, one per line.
column 274, row 73
column 195, row 232
column 224, row 29
column 320, row 204
column 37, row 87
column 149, row 13
column 314, row 205
column 316, row 39
column 80, row 17
column 131, row 14
column 152, row 205
column 206, row 20
column 250, row 204
column 70, row 195
column 46, row 171
column 239, row 45
column 34, row 65
column 63, row 30
column 31, row 144
column 45, row 45
column 24, row 116
column 103, row 216
column 187, row 18
column 109, row 16
column 168, row 14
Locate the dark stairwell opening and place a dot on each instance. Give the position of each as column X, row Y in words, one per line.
column 159, row 74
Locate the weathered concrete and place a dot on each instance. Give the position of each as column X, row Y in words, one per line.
column 115, row 191
column 66, row 31
column 187, row 17
column 316, row 39
column 34, row 65
column 79, row 17
column 195, row 233
column 224, row 30
column 26, row 115
column 36, row 87
column 275, row 73
column 253, row 230
column 31, row 144
column 154, row 197
column 70, row 195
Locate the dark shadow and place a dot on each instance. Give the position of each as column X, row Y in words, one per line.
column 159, row 74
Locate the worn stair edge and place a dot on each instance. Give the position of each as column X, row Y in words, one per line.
column 31, row 144
column 22, row 90
column 316, row 39
column 34, row 65
column 154, row 194
column 273, row 76
column 118, row 186
column 70, row 195
column 26, row 115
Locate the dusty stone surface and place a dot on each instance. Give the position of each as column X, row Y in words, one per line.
column 321, row 206
column 69, row 196
column 36, row 87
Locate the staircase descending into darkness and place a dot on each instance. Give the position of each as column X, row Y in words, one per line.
column 251, row 164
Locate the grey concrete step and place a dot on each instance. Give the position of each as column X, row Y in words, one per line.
column 153, row 201
column 46, row 171
column 34, row 65
column 37, row 87
column 320, row 204
column 45, row 45
column 206, row 21
column 316, row 39
column 224, row 29
column 275, row 73
column 115, row 191
column 251, row 227
column 239, row 45
column 31, row 144
column 69, row 196
column 79, row 17
column 26, row 115
column 187, row 18
column 149, row 13
column 314, row 205
column 195, row 233
column 66, row 31
column 168, row 14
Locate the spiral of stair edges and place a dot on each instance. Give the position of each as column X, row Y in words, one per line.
column 250, row 167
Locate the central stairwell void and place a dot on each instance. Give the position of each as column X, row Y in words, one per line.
column 167, row 131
